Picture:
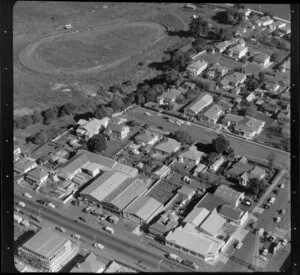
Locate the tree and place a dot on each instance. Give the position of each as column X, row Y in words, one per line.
column 211, row 157
column 117, row 104
column 49, row 115
column 116, row 88
column 254, row 186
column 262, row 77
column 198, row 44
column 66, row 109
column 40, row 138
column 180, row 60
column 151, row 95
column 97, row 143
column 101, row 112
column 139, row 99
column 183, row 137
column 275, row 57
column 159, row 89
column 225, row 34
column 271, row 159
column 251, row 84
column 198, row 27
column 220, row 144
column 173, row 77
column 37, row 117
column 266, row 13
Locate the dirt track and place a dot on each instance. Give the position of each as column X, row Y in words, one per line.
column 29, row 60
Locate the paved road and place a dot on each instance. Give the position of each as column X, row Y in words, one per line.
column 116, row 243
column 205, row 135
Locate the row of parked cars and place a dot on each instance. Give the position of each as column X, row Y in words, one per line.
column 177, row 259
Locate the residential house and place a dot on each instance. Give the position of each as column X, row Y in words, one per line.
column 88, row 129
column 169, row 96
column 216, row 165
column 239, row 172
column 117, row 131
column 261, row 59
column 251, row 97
column 168, row 147
column 17, row 152
column 199, row 104
column 233, row 215
column 286, row 29
column 187, row 193
column 189, row 85
column 231, row 120
column 222, row 46
column 216, row 71
column 269, row 109
column 200, row 169
column 249, row 127
column 238, row 51
column 279, row 24
column 266, row 20
column 147, row 138
column 229, row 195
column 192, row 156
column 162, row 172
column 272, row 87
column 284, row 117
column 24, row 165
column 257, row 173
column 38, row 175
column 91, row 264
column 233, row 79
column 213, row 113
column 197, row 67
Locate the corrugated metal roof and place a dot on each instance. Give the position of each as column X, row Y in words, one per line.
column 201, row 103
column 125, row 169
column 143, row 207
column 45, row 242
column 104, row 185
column 23, row 164
column 213, row 223
column 135, row 189
column 197, row 216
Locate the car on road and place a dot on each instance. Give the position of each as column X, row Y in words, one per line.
column 190, row 264
column 82, row 219
column 282, row 185
column 17, row 209
column 27, row 195
column 98, row 245
column 40, row 201
column 147, row 114
column 174, row 257
column 51, row 205
column 61, row 229
column 261, row 231
column 109, row 229
column 22, row 204
column 271, row 200
column 76, row 236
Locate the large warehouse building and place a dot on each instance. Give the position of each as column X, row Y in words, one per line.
column 47, row 251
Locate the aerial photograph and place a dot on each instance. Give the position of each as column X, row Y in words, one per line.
column 151, row 137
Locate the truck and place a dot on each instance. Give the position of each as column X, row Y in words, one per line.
column 174, row 257
column 27, row 195
column 109, row 229
column 17, row 218
column 22, row 204
column 113, row 219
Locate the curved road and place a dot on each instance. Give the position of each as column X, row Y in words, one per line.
column 118, row 244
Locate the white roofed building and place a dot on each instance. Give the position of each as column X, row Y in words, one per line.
column 199, row 104
column 197, row 67
column 88, row 129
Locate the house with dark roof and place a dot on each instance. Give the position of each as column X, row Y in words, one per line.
column 233, row 79
column 249, row 127
column 147, row 138
column 229, row 195
column 222, row 46
column 117, row 131
column 233, row 214
column 257, row 173
column 38, row 175
column 168, row 147
column 192, row 156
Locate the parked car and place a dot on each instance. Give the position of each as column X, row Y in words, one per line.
column 98, row 245
column 83, row 219
column 282, row 212
column 40, row 201
column 190, row 264
column 278, row 219
column 61, row 229
column 238, row 245
column 76, row 236
column 51, row 205
column 247, row 202
column 174, row 257
column 284, row 242
column 109, row 230
column 265, row 252
column 27, row 195
column 22, row 204
column 147, row 114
